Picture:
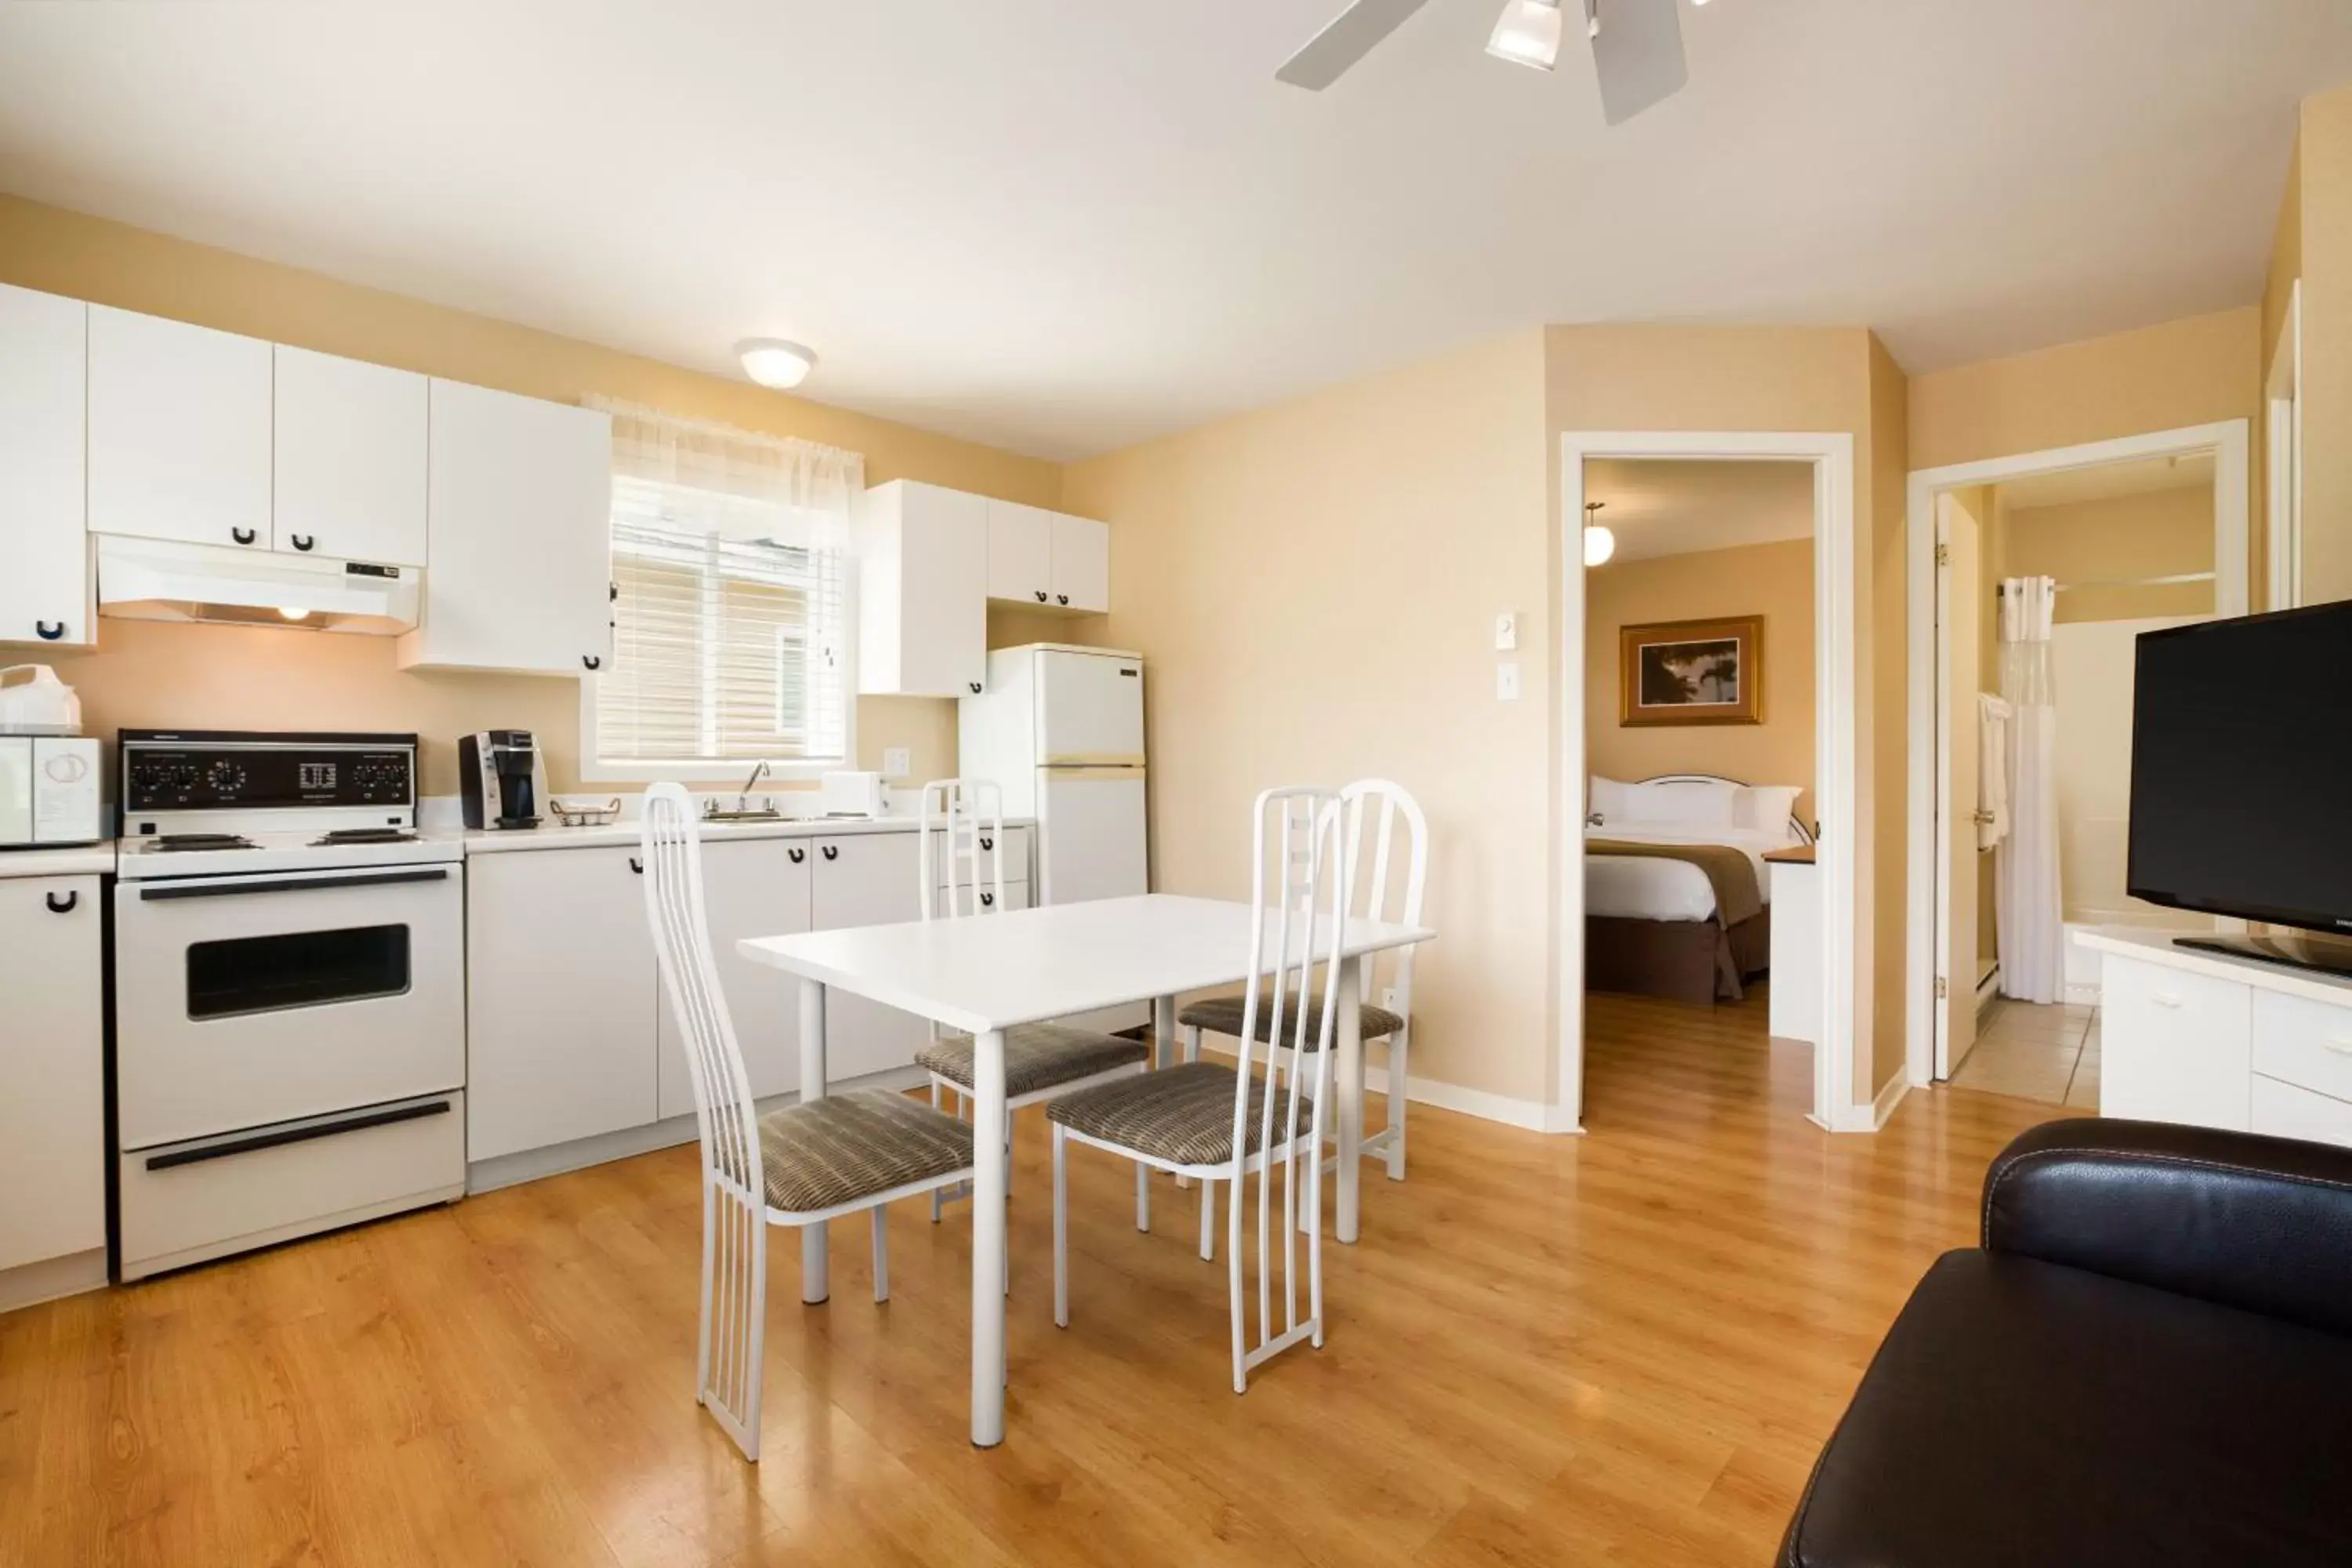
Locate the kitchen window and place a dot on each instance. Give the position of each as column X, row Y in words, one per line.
column 730, row 578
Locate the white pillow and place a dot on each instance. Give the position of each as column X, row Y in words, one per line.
column 1765, row 807
column 1611, row 801
column 1705, row 803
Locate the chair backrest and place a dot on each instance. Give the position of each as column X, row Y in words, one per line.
column 1299, row 903
column 963, row 822
column 671, row 840
column 1386, row 875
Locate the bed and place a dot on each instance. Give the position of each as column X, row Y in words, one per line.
column 1666, row 856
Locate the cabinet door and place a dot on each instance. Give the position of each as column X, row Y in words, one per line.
column 350, row 456
column 1081, row 563
column 179, row 431
column 1020, row 552
column 863, row 879
column 2176, row 1046
column 751, row 887
column 518, row 502
column 52, row 1051
column 43, row 361
column 560, row 1031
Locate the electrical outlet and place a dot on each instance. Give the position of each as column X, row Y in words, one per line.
column 898, row 762
column 1389, row 999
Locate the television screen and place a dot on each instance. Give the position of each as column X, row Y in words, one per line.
column 2241, row 768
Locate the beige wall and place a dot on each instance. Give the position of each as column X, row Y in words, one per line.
column 235, row 678
column 2159, row 533
column 2322, row 240
column 1313, row 587
column 1774, row 581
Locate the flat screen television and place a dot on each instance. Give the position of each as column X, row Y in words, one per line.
column 2241, row 777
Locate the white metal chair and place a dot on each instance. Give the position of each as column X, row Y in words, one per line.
column 963, row 822
column 1210, row 1122
column 803, row 1165
column 1390, row 889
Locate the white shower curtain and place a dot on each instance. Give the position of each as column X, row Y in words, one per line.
column 2028, row 910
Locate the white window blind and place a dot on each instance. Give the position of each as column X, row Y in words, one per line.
column 730, row 620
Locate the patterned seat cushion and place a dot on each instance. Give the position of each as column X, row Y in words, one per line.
column 1222, row 1016
column 1036, row 1056
column 850, row 1146
column 1180, row 1115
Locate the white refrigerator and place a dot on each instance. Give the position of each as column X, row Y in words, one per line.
column 1060, row 730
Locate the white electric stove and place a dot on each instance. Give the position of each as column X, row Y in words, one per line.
column 290, row 991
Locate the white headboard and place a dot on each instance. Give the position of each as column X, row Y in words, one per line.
column 1804, row 834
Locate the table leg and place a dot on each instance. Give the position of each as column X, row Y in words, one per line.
column 1351, row 1107
column 987, row 1241
column 1163, row 1032
column 813, row 1247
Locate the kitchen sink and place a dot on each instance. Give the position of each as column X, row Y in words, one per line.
column 764, row 814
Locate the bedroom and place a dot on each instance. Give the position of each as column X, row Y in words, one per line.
column 1699, row 734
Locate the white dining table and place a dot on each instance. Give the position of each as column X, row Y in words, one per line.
column 983, row 975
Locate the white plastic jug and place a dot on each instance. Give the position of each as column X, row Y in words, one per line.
column 39, row 704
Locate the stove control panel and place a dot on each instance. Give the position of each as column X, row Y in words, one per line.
column 165, row 771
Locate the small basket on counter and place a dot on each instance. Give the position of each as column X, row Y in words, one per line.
column 585, row 812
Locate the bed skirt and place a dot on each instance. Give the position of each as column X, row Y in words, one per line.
column 1696, row 961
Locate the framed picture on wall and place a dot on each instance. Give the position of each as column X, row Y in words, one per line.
column 1692, row 672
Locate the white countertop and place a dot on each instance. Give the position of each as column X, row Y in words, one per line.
column 488, row 841
column 69, row 860
column 2155, row 947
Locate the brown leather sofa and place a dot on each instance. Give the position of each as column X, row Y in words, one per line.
column 2146, row 1362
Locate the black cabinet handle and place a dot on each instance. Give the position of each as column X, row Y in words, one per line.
column 637, row 865
column 41, row 629
column 833, row 851
column 798, row 855
column 65, row 908
column 975, row 687
column 1041, row 596
column 1062, row 598
column 611, row 593
column 987, row 901
column 986, row 842
column 592, row 661
column 305, row 540
column 242, row 535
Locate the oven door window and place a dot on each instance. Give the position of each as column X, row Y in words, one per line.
column 296, row 969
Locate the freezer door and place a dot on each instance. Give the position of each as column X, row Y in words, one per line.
column 1089, row 710
column 1090, row 834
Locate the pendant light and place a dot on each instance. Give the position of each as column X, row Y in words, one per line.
column 1527, row 34
column 1600, row 544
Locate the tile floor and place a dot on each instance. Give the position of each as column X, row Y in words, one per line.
column 2029, row 1051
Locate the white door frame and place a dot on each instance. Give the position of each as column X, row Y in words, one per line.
column 2226, row 443
column 2282, row 465
column 1836, row 704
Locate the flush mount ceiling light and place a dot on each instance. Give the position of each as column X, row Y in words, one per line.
column 1528, row 34
column 772, row 362
column 1600, row 544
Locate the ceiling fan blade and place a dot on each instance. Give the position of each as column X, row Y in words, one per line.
column 1350, row 36
column 1639, row 56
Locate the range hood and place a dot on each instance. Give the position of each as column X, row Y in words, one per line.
column 163, row 580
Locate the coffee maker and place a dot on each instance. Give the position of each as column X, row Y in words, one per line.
column 503, row 778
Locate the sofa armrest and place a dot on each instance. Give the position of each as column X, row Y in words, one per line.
column 2260, row 1224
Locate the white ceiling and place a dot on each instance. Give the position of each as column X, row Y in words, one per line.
column 1062, row 227
column 1668, row 507
column 2109, row 481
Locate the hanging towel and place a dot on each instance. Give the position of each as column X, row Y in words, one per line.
column 1993, row 716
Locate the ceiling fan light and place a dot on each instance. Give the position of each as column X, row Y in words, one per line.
column 772, row 362
column 1527, row 34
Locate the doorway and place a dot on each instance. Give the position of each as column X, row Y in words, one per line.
column 1829, row 459
column 2030, row 577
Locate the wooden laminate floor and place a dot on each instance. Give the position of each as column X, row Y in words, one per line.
column 1620, row 1349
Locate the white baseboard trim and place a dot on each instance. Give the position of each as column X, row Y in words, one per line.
column 1532, row 1114
column 50, row 1280
column 2083, row 992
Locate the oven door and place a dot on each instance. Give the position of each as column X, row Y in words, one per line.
column 262, row 998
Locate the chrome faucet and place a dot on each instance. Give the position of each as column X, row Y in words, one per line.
column 759, row 770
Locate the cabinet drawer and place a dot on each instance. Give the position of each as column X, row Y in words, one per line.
column 2283, row 1111
column 2303, row 1042
column 2178, row 1046
column 1016, row 861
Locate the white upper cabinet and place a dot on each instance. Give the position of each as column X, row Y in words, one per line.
column 519, row 537
column 45, row 589
column 1020, row 552
column 351, row 459
column 179, row 431
column 922, row 560
column 1081, row 563
column 1047, row 559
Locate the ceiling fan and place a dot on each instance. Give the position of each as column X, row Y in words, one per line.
column 1637, row 45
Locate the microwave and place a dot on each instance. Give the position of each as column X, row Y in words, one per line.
column 48, row 791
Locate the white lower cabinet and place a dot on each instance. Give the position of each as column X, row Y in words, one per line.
column 560, row 1031
column 52, row 1066
column 2179, row 1045
column 750, row 887
column 865, row 879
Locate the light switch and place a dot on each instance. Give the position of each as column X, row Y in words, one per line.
column 1507, row 632
column 896, row 762
column 1507, row 681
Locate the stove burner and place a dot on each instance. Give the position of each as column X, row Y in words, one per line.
column 365, row 835
column 174, row 843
